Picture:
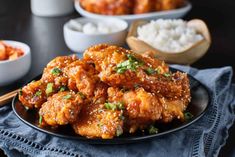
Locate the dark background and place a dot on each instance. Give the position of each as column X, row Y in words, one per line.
column 45, row 37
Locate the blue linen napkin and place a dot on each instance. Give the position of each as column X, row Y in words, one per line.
column 203, row 138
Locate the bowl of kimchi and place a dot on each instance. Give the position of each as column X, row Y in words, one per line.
column 15, row 61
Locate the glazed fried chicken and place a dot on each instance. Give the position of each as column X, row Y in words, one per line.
column 33, row 95
column 144, row 6
column 141, row 108
column 100, row 93
column 168, row 4
column 110, row 91
column 81, row 77
column 107, row 7
column 123, row 68
column 144, row 108
column 125, row 7
column 54, row 71
column 97, row 122
column 62, row 108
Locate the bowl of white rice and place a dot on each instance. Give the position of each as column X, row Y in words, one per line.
column 173, row 40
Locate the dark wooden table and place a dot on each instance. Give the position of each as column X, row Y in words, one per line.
column 45, row 37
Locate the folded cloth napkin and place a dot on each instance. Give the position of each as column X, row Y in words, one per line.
column 203, row 138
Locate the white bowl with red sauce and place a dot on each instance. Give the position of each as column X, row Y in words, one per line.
column 12, row 70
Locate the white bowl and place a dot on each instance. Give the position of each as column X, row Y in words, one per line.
column 172, row 14
column 51, row 8
column 79, row 42
column 12, row 70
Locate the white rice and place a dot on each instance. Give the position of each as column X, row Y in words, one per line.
column 93, row 28
column 169, row 35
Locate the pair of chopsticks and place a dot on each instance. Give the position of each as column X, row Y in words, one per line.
column 8, row 97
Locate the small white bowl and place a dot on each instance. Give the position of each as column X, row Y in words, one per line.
column 12, row 70
column 51, row 8
column 79, row 42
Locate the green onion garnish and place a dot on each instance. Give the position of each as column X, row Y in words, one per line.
column 20, row 92
column 67, row 96
column 150, row 71
column 40, row 119
column 82, row 95
column 110, row 106
column 114, row 106
column 153, row 130
column 38, row 93
column 63, row 88
column 49, row 88
column 188, row 116
column 167, row 74
column 56, row 71
column 131, row 64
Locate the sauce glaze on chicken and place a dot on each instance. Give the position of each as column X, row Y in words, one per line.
column 109, row 92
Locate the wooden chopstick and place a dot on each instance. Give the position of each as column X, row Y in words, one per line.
column 4, row 99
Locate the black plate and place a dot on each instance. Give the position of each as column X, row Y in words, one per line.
column 199, row 104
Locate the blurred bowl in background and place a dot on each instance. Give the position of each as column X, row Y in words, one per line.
column 174, row 13
column 49, row 8
column 12, row 70
column 79, row 41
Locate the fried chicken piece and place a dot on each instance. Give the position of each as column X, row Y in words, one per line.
column 119, row 67
column 81, row 77
column 141, row 108
column 144, row 108
column 168, row 4
column 97, row 122
column 174, row 107
column 144, row 6
column 100, row 93
column 108, row 7
column 54, row 71
column 61, row 108
column 33, row 95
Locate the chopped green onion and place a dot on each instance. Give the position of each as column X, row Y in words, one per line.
column 114, row 106
column 120, row 106
column 188, row 116
column 38, row 93
column 49, row 88
column 63, row 88
column 150, row 71
column 56, row 71
column 119, row 130
column 121, row 70
column 82, row 95
column 131, row 57
column 20, row 92
column 131, row 64
column 158, row 70
column 40, row 119
column 167, row 74
column 110, row 106
column 153, row 130
column 67, row 96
